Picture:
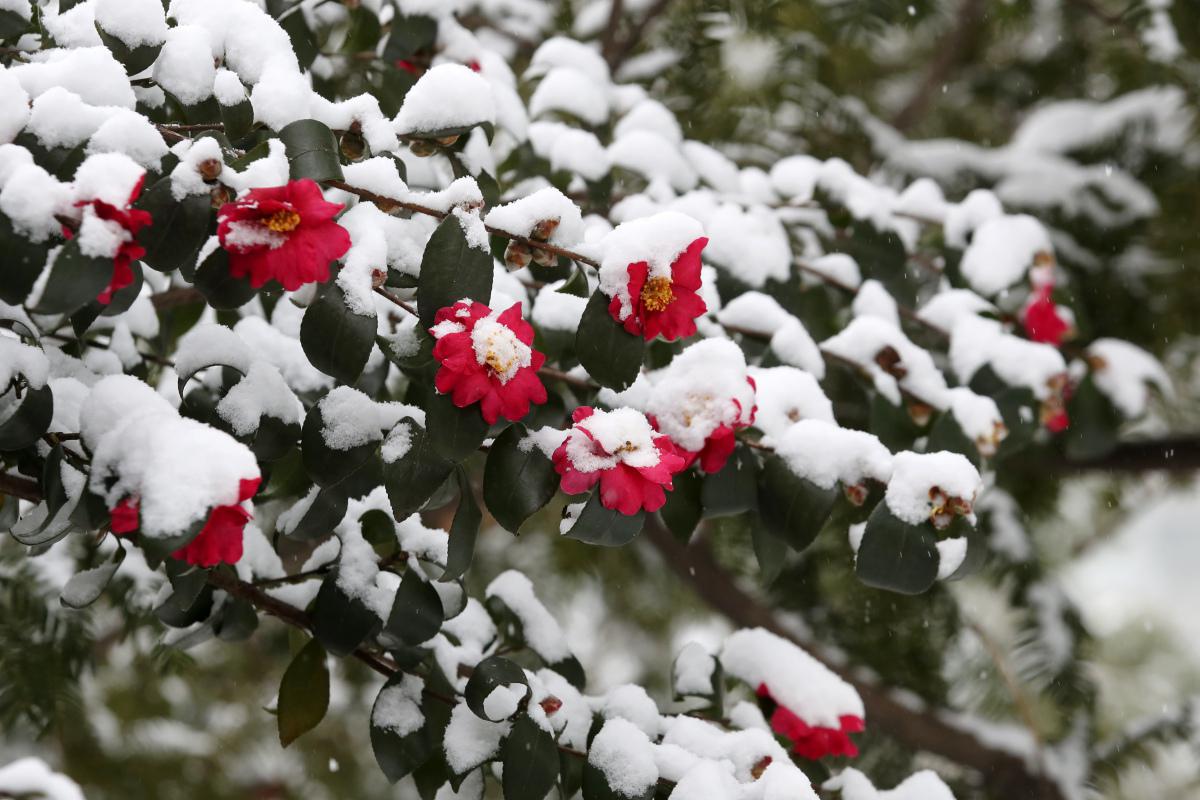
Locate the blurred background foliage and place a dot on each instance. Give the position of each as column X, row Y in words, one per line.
column 128, row 714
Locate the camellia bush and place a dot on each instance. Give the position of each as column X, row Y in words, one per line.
column 297, row 299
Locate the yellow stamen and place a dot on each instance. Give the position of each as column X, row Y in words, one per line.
column 282, row 221
column 657, row 294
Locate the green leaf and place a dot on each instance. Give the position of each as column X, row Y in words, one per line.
column 409, row 35
column 489, row 673
column 337, row 340
column 134, row 59
column 606, row 527
column 595, row 787
column 1094, row 422
column 895, row 555
column 38, row 528
column 12, row 25
column 416, row 612
column 576, row 285
column 340, row 622
column 363, row 33
column 325, row 465
column 451, row 270
column 516, row 483
column 84, row 587
column 530, row 758
column 274, row 438
column 25, row 424
column 892, row 424
column 683, row 510
column 463, row 530
column 792, row 508
column 303, row 41
column 179, row 230
column 947, row 434
column 454, row 432
column 236, row 621
column 735, row 488
column 881, row 255
column 412, row 479
column 237, row 119
column 191, row 598
column 610, row 355
column 312, row 151
column 398, row 755
column 303, row 693
column 75, row 280
column 23, row 262
column 222, row 291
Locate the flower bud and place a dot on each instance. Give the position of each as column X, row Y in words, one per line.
column 550, row 704
column 353, row 145
column 210, row 169
column 544, row 258
column 517, row 255
column 448, row 141
column 760, row 767
column 856, row 493
column 919, row 413
column 422, row 148
column 221, row 194
column 544, row 230
column 378, row 277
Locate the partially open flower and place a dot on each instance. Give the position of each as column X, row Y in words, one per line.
column 812, row 741
column 284, row 233
column 663, row 304
column 1044, row 320
column 486, row 357
column 219, row 541
column 1053, row 411
column 632, row 463
column 114, row 230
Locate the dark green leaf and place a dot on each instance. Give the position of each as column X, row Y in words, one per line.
column 84, row 587
column 303, row 41
column 363, row 33
column 191, row 598
column 530, row 758
column 792, row 508
column 179, row 230
column 451, row 269
column 735, row 488
column 237, row 119
column 595, row 787
column 303, row 693
column 489, row 673
column 312, row 151
column 325, row 465
column 220, row 289
column 12, row 24
column 274, row 438
column 399, row 755
column 416, row 612
column 410, row 35
column 1094, row 422
column 947, row 434
column 38, row 528
column 337, row 340
column 576, row 285
column 23, row 262
column 463, row 529
column 683, row 510
column 412, row 479
column 605, row 526
column 340, row 622
column 25, row 424
column 881, row 255
column 134, row 59
column 75, row 280
column 610, row 355
column 454, row 432
column 892, row 424
column 516, row 483
column 895, row 555
column 236, row 621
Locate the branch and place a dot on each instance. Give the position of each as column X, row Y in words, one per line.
column 610, row 31
column 950, row 50
column 21, row 488
column 919, row 730
column 1179, row 453
column 616, row 57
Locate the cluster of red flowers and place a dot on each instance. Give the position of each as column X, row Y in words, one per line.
column 487, row 358
column 219, row 541
column 813, row 741
column 664, row 306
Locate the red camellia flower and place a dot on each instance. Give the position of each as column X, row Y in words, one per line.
column 284, row 233
column 1043, row 320
column 487, row 358
column 664, row 305
column 620, row 450
column 131, row 221
column 811, row 741
column 219, row 541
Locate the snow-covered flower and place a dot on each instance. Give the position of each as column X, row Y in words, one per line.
column 120, row 226
column 219, row 541
column 619, row 449
column 1044, row 320
column 664, row 305
column 702, row 399
column 812, row 741
column 486, row 357
column 285, row 233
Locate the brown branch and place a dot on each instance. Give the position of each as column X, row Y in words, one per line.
column 920, row 730
column 173, row 298
column 609, row 39
column 1179, row 453
column 622, row 50
column 21, row 488
column 951, row 49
